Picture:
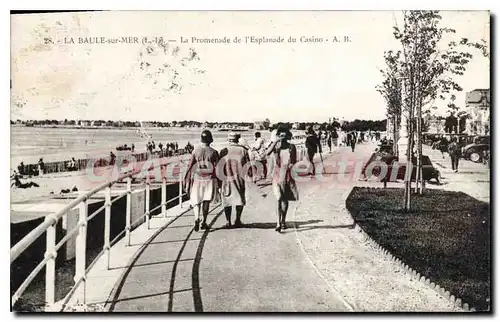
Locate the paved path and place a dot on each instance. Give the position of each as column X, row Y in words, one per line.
column 319, row 264
column 471, row 178
column 252, row 268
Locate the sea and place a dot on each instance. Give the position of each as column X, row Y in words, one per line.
column 28, row 144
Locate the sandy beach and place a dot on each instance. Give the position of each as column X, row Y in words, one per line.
column 28, row 144
column 52, row 184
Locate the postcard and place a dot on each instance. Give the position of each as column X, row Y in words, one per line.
column 250, row 161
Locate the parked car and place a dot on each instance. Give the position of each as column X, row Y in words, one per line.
column 430, row 138
column 429, row 172
column 476, row 151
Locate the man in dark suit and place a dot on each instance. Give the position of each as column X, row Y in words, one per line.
column 313, row 146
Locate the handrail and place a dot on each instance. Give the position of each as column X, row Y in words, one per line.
column 77, row 227
column 73, row 289
column 29, row 279
column 51, row 220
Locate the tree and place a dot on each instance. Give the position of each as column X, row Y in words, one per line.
column 428, row 72
column 390, row 89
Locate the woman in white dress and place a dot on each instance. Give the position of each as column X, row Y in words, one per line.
column 283, row 183
column 201, row 181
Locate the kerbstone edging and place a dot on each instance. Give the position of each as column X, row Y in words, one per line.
column 457, row 302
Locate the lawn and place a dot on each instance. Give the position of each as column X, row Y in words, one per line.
column 445, row 237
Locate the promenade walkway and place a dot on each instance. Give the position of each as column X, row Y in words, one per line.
column 471, row 178
column 320, row 263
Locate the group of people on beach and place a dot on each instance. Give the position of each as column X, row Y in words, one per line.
column 213, row 174
column 30, row 170
column 169, row 149
column 15, row 180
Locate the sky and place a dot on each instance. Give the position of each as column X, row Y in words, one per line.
column 304, row 82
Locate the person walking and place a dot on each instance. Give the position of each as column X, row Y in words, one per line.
column 41, row 166
column 200, row 179
column 112, row 158
column 260, row 155
column 313, row 146
column 443, row 145
column 335, row 138
column 454, row 152
column 283, row 184
column 329, row 140
column 72, row 165
column 160, row 146
column 230, row 172
column 353, row 139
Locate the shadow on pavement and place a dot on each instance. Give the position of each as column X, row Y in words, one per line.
column 174, row 271
column 351, row 226
column 112, row 302
column 172, row 241
column 153, row 263
column 195, row 279
column 272, row 225
column 167, row 241
column 150, row 295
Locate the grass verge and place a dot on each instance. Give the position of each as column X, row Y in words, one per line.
column 446, row 236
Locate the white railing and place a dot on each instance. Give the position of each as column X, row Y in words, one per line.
column 49, row 227
column 80, row 230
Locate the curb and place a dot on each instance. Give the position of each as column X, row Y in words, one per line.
column 456, row 301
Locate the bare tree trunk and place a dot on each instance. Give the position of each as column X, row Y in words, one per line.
column 395, row 135
column 422, row 181
column 418, row 175
column 409, row 165
column 409, row 159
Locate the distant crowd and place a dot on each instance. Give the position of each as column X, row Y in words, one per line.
column 167, row 150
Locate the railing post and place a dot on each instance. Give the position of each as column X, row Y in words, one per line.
column 180, row 192
column 128, row 210
column 148, row 196
column 107, row 225
column 50, row 268
column 163, row 196
column 81, row 246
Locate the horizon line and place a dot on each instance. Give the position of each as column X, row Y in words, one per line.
column 180, row 121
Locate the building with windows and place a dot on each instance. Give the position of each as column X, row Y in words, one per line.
column 147, row 124
column 262, row 125
column 84, row 123
column 477, row 106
